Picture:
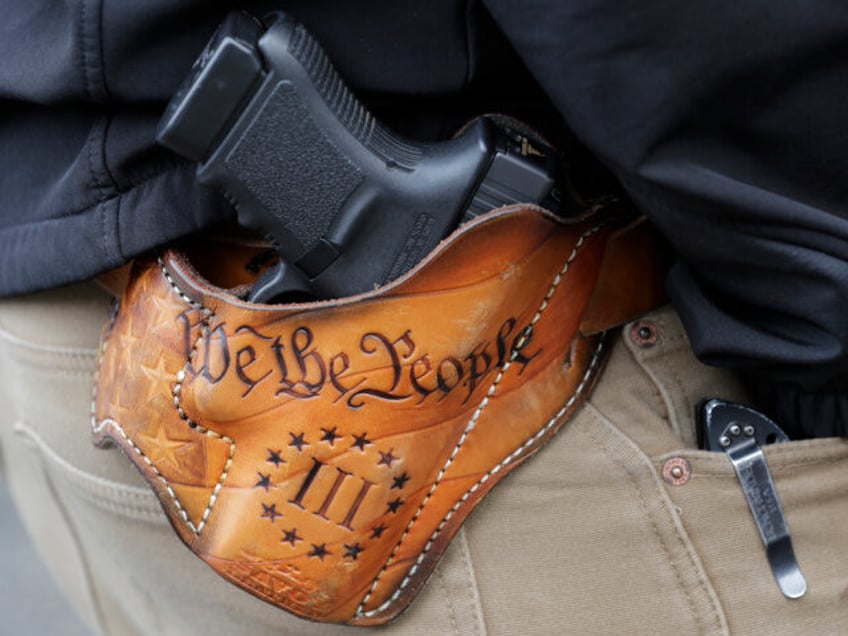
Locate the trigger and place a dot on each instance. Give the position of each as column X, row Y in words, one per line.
column 282, row 283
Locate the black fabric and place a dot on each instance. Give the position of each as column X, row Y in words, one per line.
column 802, row 414
column 723, row 120
column 83, row 186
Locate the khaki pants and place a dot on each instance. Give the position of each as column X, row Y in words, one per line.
column 585, row 538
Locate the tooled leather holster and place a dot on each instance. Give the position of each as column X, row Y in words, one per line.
column 321, row 456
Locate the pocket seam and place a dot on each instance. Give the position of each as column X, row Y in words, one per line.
column 130, row 501
column 781, row 458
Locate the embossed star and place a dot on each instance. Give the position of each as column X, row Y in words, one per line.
column 298, row 442
column 400, row 482
column 270, row 512
column 330, row 435
column 160, row 305
column 264, row 481
column 319, row 551
column 158, row 375
column 291, row 536
column 387, row 458
column 162, row 448
column 394, row 505
column 352, row 551
column 361, row 441
column 377, row 531
column 274, row 458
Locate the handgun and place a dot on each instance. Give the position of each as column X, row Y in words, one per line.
column 348, row 204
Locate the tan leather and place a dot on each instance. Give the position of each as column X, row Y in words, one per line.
column 321, row 456
column 630, row 281
column 115, row 280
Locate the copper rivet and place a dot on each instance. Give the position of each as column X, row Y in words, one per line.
column 676, row 471
column 644, row 334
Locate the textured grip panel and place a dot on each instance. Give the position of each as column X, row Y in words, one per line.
column 284, row 160
column 349, row 110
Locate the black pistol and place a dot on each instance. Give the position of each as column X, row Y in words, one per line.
column 348, row 204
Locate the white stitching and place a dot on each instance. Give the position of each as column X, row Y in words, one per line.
column 112, row 424
column 177, row 390
column 113, row 315
column 471, row 425
column 550, row 424
column 205, row 310
column 208, row 315
column 97, row 427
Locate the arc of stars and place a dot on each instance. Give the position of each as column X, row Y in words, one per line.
column 319, row 551
column 298, row 441
column 270, row 512
column 264, row 481
column 361, row 441
column 400, row 482
column 387, row 458
column 330, row 435
column 274, row 457
column 352, row 551
column 291, row 536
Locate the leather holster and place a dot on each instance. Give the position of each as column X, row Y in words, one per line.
column 321, row 456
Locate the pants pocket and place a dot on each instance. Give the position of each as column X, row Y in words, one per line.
column 811, row 479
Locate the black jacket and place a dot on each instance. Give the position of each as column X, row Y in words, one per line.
column 723, row 120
